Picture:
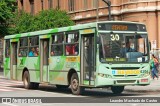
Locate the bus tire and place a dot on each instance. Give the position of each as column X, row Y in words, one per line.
column 26, row 80
column 62, row 86
column 35, row 85
column 117, row 89
column 75, row 88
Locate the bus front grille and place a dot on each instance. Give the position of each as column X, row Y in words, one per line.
column 125, row 68
column 118, row 76
column 126, row 81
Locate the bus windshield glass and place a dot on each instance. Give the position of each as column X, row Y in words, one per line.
column 120, row 47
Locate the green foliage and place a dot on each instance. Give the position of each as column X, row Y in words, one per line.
column 22, row 22
column 7, row 7
column 46, row 19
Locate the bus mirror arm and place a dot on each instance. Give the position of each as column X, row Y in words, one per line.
column 98, row 40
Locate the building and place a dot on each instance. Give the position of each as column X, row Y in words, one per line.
column 82, row 11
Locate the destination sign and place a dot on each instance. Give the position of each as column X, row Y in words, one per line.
column 121, row 27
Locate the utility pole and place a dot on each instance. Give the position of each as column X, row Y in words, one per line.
column 97, row 10
column 108, row 2
column 42, row 4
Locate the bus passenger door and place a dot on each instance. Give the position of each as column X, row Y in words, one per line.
column 87, row 59
column 13, row 61
column 44, row 55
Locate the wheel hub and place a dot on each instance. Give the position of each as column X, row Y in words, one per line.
column 75, row 84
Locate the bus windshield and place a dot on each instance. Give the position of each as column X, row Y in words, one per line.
column 120, row 47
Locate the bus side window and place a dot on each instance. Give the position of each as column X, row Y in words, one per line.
column 72, row 46
column 76, row 46
column 57, row 44
column 7, row 48
column 23, row 47
column 33, row 46
column 70, row 50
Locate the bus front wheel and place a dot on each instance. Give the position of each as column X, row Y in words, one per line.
column 75, row 88
column 117, row 89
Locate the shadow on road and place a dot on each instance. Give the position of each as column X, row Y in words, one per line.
column 96, row 93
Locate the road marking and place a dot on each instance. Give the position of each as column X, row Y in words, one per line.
column 9, row 85
column 9, row 104
column 60, row 94
column 134, row 104
column 5, row 90
column 5, row 87
column 51, row 104
column 11, row 81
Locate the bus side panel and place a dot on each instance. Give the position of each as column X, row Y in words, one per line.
column 73, row 62
column 57, row 74
column 21, row 64
column 7, row 68
column 33, row 65
column 59, row 78
column 59, row 68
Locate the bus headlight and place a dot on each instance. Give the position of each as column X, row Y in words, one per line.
column 104, row 75
column 144, row 75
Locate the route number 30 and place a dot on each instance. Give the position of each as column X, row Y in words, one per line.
column 114, row 37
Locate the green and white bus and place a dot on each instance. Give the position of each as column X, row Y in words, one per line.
column 87, row 55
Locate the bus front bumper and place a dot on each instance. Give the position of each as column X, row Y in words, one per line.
column 101, row 81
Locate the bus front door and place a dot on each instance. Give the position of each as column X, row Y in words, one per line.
column 87, row 59
column 44, row 55
column 13, row 60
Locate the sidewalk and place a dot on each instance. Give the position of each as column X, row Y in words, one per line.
column 153, row 87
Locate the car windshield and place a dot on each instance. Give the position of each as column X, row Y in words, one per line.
column 119, row 47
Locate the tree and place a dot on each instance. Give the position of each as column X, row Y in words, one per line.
column 22, row 22
column 46, row 19
column 7, row 7
column 53, row 18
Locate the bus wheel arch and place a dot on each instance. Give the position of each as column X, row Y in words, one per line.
column 71, row 71
column 26, row 80
column 25, row 69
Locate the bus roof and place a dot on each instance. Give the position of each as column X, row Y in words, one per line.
column 64, row 29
